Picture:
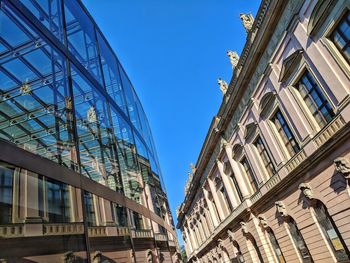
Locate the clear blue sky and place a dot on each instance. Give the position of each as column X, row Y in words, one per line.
column 173, row 52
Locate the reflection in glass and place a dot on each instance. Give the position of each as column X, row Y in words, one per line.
column 81, row 38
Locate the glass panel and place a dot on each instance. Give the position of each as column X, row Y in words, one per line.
column 34, row 110
column 111, row 74
column 130, row 174
column 81, row 38
column 49, row 13
column 96, row 148
column 130, row 99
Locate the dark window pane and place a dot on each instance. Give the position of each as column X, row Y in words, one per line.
column 285, row 133
column 315, row 99
column 299, row 241
column 250, row 175
column 341, row 36
column 331, row 232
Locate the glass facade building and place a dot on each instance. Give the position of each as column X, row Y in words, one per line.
column 79, row 175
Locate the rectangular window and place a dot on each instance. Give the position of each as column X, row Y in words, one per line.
column 315, row 99
column 265, row 157
column 6, row 185
column 58, row 202
column 90, row 209
column 226, row 198
column 285, row 133
column 249, row 172
column 341, row 36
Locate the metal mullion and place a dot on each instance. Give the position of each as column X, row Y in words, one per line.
column 42, row 11
column 20, row 126
column 73, row 122
column 11, row 49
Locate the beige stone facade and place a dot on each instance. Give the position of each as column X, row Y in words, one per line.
column 271, row 183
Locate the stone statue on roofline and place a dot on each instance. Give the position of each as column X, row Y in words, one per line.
column 234, row 58
column 223, row 86
column 247, row 20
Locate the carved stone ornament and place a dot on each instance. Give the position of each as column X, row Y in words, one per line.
column 247, row 20
column 193, row 168
column 263, row 221
column 220, row 246
column 306, row 189
column 231, row 235
column 234, row 58
column 149, row 256
column 223, row 86
column 68, row 102
column 244, row 227
column 25, row 89
column 97, row 258
column 281, row 209
column 216, row 123
column 91, row 114
column 68, row 257
column 342, row 165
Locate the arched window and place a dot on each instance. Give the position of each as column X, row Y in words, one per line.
column 331, row 232
column 275, row 245
column 238, row 252
column 257, row 257
column 299, row 241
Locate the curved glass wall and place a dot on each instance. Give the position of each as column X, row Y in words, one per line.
column 64, row 96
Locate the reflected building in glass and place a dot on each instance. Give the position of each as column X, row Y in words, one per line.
column 79, row 175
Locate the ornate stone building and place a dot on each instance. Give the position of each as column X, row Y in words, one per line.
column 271, row 183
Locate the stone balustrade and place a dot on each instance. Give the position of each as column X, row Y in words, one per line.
column 15, row 230
column 141, row 233
column 160, row 237
column 63, row 229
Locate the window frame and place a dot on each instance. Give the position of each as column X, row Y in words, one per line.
column 330, row 220
column 253, row 175
column 268, row 153
column 327, row 29
column 283, row 147
column 294, row 90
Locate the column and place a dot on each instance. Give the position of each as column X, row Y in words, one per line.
column 30, row 201
column 193, row 237
column 240, row 179
column 188, row 241
column 204, row 227
column 212, row 211
column 208, row 219
column 227, row 184
column 219, row 207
